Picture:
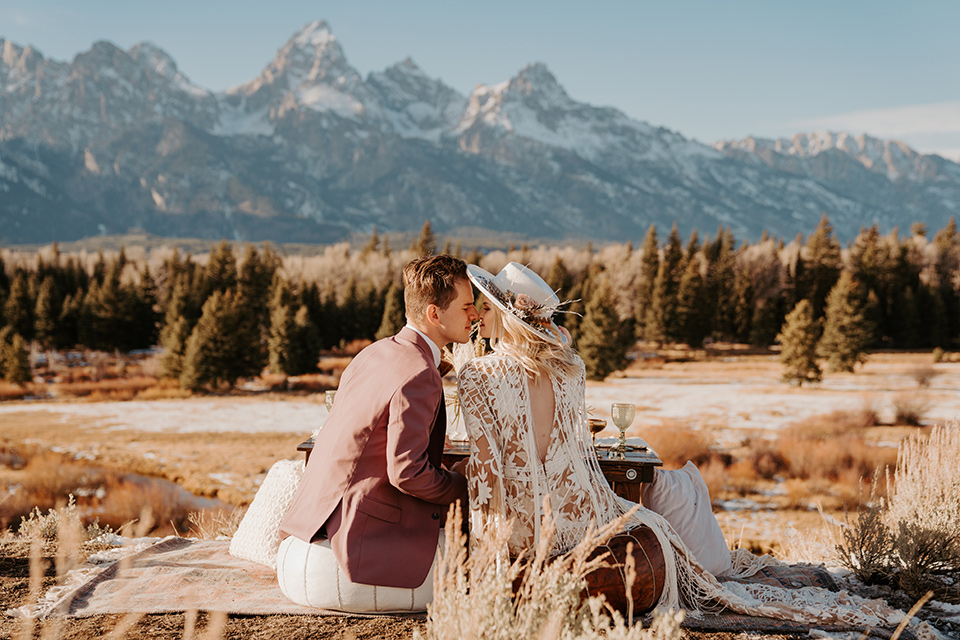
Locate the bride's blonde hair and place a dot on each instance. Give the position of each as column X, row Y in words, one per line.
column 512, row 337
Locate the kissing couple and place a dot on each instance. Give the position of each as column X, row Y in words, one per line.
column 365, row 529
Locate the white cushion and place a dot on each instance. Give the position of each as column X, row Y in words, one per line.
column 682, row 498
column 258, row 536
column 309, row 574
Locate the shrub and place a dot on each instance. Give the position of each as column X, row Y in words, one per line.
column 923, row 375
column 49, row 527
column 912, row 541
column 909, row 409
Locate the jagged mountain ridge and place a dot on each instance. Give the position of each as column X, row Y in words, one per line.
column 309, row 150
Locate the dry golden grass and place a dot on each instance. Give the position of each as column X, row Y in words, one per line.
column 676, row 442
column 108, row 389
column 485, row 594
column 14, row 391
column 314, row 382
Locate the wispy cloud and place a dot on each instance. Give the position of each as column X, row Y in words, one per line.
column 938, row 117
column 929, row 128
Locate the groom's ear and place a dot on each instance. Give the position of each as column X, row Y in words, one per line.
column 431, row 315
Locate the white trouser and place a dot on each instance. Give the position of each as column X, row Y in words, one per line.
column 309, row 574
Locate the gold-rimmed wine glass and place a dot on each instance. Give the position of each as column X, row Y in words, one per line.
column 622, row 415
column 596, row 426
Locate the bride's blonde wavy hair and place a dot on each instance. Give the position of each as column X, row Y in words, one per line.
column 512, row 337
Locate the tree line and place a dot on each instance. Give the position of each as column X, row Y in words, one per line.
column 230, row 313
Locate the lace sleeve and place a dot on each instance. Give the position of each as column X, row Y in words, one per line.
column 484, row 472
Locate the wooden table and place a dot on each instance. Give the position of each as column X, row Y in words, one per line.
column 625, row 476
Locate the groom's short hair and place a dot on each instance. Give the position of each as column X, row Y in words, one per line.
column 431, row 280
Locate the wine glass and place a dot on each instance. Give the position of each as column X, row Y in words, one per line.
column 596, row 426
column 622, row 415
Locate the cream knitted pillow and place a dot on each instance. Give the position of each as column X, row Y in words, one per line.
column 681, row 496
column 258, row 536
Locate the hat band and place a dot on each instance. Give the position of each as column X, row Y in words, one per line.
column 529, row 310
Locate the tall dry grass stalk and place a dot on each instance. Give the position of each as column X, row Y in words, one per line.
column 927, row 486
column 484, row 595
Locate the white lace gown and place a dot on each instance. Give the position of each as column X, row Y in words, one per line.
column 506, row 480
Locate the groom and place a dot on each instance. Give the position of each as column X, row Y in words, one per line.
column 374, row 488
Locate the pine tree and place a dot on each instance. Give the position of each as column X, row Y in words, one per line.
column 280, row 342
column 372, row 244
column 649, row 265
column 720, row 299
column 254, row 282
column 692, row 306
column 68, row 324
column 662, row 317
column 18, row 309
column 560, row 279
column 426, row 242
column 221, row 271
column 765, row 322
column 393, row 312
column 603, row 343
column 947, row 268
column 219, row 349
column 743, row 297
column 821, row 267
column 305, row 354
column 846, row 332
column 175, row 329
column 16, row 360
column 140, row 302
column 47, row 313
column 798, row 345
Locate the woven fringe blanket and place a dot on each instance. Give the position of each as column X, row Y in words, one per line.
column 183, row 574
column 170, row 575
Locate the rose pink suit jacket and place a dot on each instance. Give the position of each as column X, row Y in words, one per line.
column 374, row 483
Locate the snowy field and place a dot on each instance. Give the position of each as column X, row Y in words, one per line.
column 737, row 404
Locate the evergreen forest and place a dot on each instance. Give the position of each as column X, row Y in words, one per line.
column 236, row 310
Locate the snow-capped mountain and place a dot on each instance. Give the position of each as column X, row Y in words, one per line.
column 309, row 150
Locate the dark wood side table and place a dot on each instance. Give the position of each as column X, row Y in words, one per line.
column 624, row 475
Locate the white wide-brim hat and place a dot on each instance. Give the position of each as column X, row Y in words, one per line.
column 520, row 292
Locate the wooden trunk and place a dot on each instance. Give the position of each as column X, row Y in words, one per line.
column 610, row 580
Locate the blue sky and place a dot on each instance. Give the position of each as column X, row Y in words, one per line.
column 709, row 69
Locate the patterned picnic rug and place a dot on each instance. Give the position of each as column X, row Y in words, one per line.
column 172, row 575
column 182, row 574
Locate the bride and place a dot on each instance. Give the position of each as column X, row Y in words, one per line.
column 524, row 408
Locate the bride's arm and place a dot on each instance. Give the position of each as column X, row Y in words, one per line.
column 484, row 476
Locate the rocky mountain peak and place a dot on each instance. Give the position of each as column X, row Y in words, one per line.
column 890, row 158
column 535, row 81
column 19, row 59
column 149, row 54
column 309, row 70
column 312, row 55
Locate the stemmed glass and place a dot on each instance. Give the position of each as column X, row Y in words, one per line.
column 596, row 426
column 622, row 415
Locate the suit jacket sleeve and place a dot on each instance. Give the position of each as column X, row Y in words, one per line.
column 413, row 410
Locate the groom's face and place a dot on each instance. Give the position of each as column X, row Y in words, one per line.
column 456, row 320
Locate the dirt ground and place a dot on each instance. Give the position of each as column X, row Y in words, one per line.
column 14, row 589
